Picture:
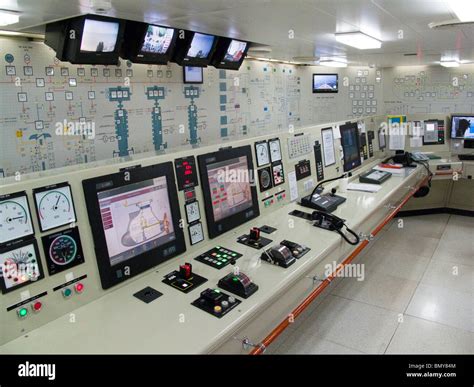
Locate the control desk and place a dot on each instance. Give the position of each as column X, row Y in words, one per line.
column 120, row 254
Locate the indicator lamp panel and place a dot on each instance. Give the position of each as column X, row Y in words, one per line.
column 63, row 250
column 54, row 206
column 15, row 217
column 186, row 173
column 20, row 265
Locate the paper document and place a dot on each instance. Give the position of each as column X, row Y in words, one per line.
column 364, row 187
column 293, row 186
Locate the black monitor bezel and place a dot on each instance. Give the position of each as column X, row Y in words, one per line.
column 325, row 91
column 347, row 164
column 221, row 49
column 182, row 47
column 132, row 46
column 226, row 224
column 451, row 125
column 150, row 258
column 72, row 48
column 186, row 82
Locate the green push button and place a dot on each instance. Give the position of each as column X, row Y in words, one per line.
column 22, row 312
column 67, row 292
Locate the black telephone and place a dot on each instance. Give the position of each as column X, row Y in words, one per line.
column 333, row 223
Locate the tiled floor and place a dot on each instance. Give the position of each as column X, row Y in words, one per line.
column 417, row 296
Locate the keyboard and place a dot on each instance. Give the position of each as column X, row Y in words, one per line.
column 466, row 157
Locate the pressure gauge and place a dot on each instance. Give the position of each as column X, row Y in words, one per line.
column 265, row 178
column 15, row 218
column 192, row 211
column 63, row 250
column 275, row 149
column 261, row 151
column 54, row 206
column 196, row 234
column 19, row 265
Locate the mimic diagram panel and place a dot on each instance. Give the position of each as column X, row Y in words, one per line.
column 55, row 114
column 420, row 89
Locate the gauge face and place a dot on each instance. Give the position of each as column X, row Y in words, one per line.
column 275, row 150
column 19, row 265
column 278, row 175
column 63, row 250
column 55, row 206
column 196, row 234
column 15, row 218
column 192, row 211
column 265, row 179
column 261, row 150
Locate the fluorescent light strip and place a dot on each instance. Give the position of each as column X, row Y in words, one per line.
column 8, row 17
column 358, row 40
column 464, row 9
column 332, row 63
column 449, row 63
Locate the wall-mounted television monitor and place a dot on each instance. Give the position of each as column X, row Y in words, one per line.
column 350, row 146
column 134, row 221
column 462, row 126
column 148, row 43
column 89, row 39
column 193, row 74
column 230, row 196
column 195, row 49
column 325, row 83
column 230, row 53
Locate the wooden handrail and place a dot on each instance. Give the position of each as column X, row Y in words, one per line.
column 316, row 292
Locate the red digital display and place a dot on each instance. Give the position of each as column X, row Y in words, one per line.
column 186, row 174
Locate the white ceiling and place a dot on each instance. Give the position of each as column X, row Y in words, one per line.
column 269, row 22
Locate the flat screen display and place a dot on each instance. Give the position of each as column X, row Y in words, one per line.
column 201, row 46
column 157, row 40
column 325, row 83
column 99, row 36
column 235, row 51
column 136, row 218
column 229, row 184
column 462, row 126
column 350, row 146
column 192, row 74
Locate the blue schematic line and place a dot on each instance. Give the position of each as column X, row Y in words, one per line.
column 120, row 94
column 192, row 92
column 155, row 93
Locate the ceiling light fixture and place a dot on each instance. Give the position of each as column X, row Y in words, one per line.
column 463, row 9
column 8, row 17
column 333, row 63
column 449, row 63
column 358, row 40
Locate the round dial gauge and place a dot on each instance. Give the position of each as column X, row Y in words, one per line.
column 15, row 220
column 261, row 150
column 265, row 179
column 20, row 266
column 63, row 250
column 275, row 150
column 55, row 207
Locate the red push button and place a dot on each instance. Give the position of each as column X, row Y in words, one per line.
column 79, row 287
column 37, row 306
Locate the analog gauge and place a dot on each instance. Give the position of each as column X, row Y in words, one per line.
column 19, row 265
column 196, row 234
column 15, row 218
column 278, row 175
column 55, row 206
column 275, row 149
column 63, row 250
column 265, row 179
column 261, row 150
column 192, row 211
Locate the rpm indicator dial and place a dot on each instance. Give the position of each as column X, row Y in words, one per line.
column 55, row 206
column 15, row 219
column 63, row 250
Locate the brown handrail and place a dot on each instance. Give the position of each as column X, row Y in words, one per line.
column 316, row 292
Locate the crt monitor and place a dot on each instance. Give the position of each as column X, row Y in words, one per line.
column 134, row 217
column 325, row 83
column 193, row 74
column 148, row 43
column 350, row 146
column 195, row 49
column 230, row 196
column 462, row 126
column 89, row 39
column 230, row 53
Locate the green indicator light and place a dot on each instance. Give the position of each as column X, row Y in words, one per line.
column 219, row 263
column 234, row 255
column 22, row 312
column 67, row 292
column 235, row 279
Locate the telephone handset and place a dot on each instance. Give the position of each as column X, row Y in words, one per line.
column 333, row 223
